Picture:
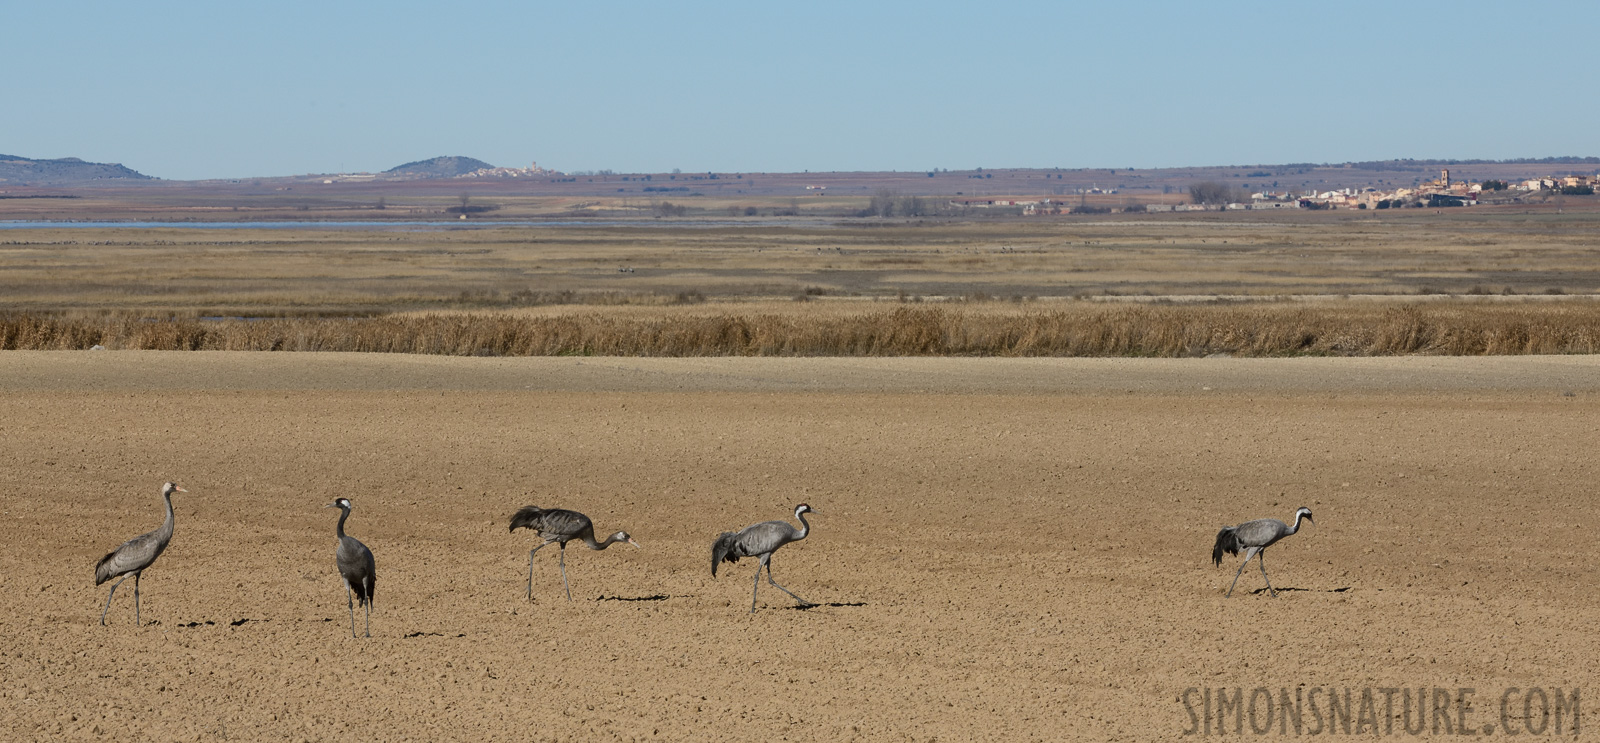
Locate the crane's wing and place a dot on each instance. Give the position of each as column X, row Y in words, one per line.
column 135, row 554
column 551, row 522
column 1260, row 533
column 356, row 567
column 529, row 517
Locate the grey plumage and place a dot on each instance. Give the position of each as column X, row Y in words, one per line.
column 356, row 568
column 560, row 525
column 761, row 540
column 1254, row 537
column 136, row 554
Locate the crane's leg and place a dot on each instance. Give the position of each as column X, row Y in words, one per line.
column 1247, row 557
column 1261, row 560
column 564, row 570
column 802, row 601
column 108, row 600
column 136, row 622
column 530, row 568
column 755, row 588
column 350, row 602
column 369, row 617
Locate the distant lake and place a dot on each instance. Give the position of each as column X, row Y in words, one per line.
column 371, row 225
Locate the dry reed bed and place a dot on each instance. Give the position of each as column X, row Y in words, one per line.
column 1268, row 329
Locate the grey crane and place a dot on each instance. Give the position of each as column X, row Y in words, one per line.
column 1254, row 537
column 761, row 540
column 560, row 525
column 135, row 555
column 356, row 567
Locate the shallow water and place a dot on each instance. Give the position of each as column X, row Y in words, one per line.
column 370, row 225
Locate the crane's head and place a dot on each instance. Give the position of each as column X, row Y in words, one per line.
column 172, row 487
column 803, row 508
column 1303, row 511
column 343, row 503
column 622, row 536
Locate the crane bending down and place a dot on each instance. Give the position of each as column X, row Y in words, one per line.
column 1254, row 537
column 135, row 555
column 356, row 567
column 560, row 525
column 761, row 540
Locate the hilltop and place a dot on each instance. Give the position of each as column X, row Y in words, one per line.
column 25, row 171
column 440, row 167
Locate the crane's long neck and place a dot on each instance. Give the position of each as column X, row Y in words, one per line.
column 166, row 526
column 344, row 513
column 1296, row 526
column 589, row 540
column 805, row 526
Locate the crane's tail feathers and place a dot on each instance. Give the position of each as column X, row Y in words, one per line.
column 527, row 518
column 102, row 569
column 722, row 550
column 364, row 591
column 1227, row 542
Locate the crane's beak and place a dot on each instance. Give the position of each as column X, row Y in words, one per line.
column 179, row 489
column 635, row 544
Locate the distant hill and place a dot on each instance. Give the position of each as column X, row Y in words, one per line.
column 25, row 171
column 439, row 167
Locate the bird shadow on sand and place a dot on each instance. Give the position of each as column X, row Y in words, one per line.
column 210, row 623
column 1260, row 591
column 652, row 597
column 836, row 604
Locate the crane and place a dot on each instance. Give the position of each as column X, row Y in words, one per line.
column 761, row 540
column 134, row 555
column 1254, row 537
column 560, row 525
column 356, row 567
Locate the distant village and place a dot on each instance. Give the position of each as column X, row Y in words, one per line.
column 1438, row 193
column 1443, row 192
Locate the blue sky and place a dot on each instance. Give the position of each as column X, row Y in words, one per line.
column 217, row 90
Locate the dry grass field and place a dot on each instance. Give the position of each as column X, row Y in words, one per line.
column 296, row 271
column 1325, row 328
column 1514, row 282
column 1006, row 548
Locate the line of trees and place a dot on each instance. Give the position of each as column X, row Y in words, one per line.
column 887, row 203
column 1213, row 193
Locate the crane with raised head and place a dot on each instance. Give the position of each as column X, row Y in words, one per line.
column 136, row 554
column 1254, row 537
column 356, row 567
column 560, row 526
column 761, row 540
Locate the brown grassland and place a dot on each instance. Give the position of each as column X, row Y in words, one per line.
column 1493, row 281
column 1010, row 544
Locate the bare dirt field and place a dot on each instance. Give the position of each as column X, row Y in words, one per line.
column 1005, row 548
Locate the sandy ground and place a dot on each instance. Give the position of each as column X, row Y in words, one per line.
column 1005, row 549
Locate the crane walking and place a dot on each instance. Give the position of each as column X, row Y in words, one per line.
column 761, row 540
column 135, row 555
column 1254, row 537
column 356, row 567
column 560, row 525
